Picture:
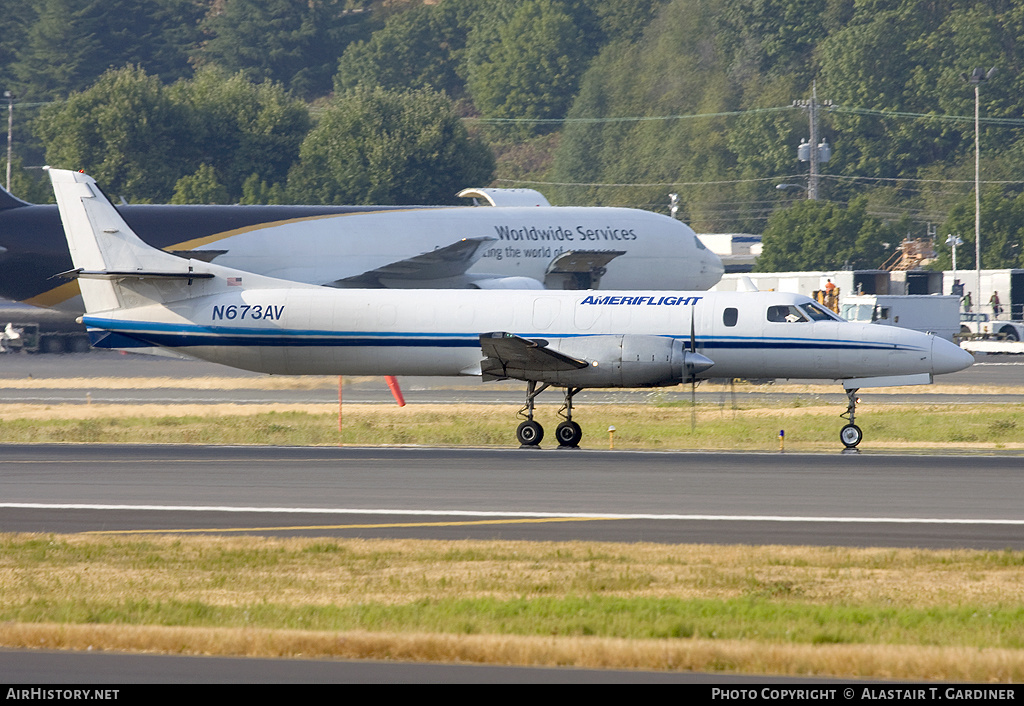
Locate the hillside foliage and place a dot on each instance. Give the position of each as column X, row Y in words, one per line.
column 607, row 102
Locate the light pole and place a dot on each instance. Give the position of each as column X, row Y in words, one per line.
column 953, row 241
column 975, row 79
column 783, row 187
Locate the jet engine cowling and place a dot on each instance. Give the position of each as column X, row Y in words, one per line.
column 505, row 283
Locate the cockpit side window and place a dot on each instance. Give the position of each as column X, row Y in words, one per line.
column 785, row 313
column 700, row 244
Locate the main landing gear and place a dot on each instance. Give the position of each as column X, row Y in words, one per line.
column 530, row 433
column 851, row 434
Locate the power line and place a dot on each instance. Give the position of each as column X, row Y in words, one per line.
column 834, row 177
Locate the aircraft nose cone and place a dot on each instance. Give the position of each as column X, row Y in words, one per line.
column 697, row 363
column 713, row 268
column 948, row 357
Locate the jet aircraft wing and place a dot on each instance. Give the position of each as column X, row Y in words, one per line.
column 504, row 351
column 449, row 261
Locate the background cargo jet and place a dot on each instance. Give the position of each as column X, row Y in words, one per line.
column 521, row 242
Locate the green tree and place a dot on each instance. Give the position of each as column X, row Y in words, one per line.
column 125, row 130
column 294, row 42
column 28, row 185
column 73, row 42
column 533, row 69
column 241, row 128
column 376, row 146
column 16, row 19
column 676, row 69
column 419, row 48
column 1002, row 232
column 257, row 191
column 200, row 187
column 139, row 138
column 821, row 235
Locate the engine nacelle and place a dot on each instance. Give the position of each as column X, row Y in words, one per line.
column 625, row 361
column 506, row 283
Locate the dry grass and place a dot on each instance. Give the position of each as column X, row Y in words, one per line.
column 244, row 573
column 301, row 571
column 956, row 664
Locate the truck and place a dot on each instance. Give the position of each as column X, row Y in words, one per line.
column 938, row 314
column 980, row 326
column 41, row 330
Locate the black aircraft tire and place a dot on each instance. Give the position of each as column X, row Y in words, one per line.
column 530, row 433
column 851, row 435
column 569, row 434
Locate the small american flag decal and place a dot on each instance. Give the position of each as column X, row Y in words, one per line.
column 234, row 281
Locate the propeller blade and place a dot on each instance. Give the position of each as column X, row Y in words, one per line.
column 693, row 380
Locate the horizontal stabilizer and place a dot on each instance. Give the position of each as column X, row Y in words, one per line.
column 506, row 350
column 132, row 274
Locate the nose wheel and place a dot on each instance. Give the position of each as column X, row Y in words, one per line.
column 850, row 435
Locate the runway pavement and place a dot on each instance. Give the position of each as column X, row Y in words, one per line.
column 867, row 500
column 992, row 380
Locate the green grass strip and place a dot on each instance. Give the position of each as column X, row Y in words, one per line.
column 633, row 618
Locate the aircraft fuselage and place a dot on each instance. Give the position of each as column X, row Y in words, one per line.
column 383, row 332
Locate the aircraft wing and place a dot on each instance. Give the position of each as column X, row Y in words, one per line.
column 449, row 261
column 506, row 350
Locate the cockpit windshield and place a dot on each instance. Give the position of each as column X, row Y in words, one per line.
column 819, row 313
column 791, row 313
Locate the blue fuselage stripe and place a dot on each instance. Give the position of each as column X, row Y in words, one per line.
column 106, row 333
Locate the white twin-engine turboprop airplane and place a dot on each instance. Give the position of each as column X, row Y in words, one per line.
column 136, row 296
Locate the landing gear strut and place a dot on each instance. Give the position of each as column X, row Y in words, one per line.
column 530, row 433
column 851, row 434
column 568, row 432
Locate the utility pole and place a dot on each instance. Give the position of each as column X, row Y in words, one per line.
column 813, row 152
column 10, row 134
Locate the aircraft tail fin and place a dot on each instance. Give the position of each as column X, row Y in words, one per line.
column 9, row 200
column 109, row 258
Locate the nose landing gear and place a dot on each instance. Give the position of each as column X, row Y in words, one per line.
column 568, row 432
column 850, row 435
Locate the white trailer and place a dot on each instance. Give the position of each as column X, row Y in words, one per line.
column 931, row 313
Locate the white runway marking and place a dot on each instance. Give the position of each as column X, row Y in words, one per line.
column 513, row 514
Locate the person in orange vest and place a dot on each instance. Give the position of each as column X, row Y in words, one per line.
column 997, row 309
